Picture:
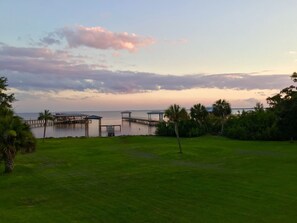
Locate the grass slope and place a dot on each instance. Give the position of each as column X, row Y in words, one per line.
column 144, row 179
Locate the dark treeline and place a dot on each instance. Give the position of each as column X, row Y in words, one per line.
column 277, row 122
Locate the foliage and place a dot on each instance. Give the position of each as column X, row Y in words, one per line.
column 175, row 113
column 199, row 123
column 221, row 109
column 252, row 125
column 186, row 128
column 5, row 99
column 214, row 124
column 199, row 115
column 284, row 105
column 165, row 129
column 15, row 135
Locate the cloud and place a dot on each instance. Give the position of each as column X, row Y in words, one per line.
column 50, row 39
column 25, row 52
column 99, row 38
column 33, row 60
column 47, row 70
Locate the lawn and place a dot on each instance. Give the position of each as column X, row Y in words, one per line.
column 144, row 179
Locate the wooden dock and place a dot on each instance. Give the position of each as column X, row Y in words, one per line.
column 75, row 118
column 107, row 126
column 126, row 116
column 60, row 119
column 38, row 123
column 142, row 121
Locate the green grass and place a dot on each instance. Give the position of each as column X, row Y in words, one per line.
column 144, row 179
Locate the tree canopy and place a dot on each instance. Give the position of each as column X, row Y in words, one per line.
column 5, row 98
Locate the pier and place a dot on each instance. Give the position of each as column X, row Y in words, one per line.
column 38, row 123
column 126, row 116
column 70, row 118
column 59, row 118
column 75, row 118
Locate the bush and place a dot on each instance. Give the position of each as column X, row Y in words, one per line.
column 213, row 124
column 186, row 128
column 252, row 125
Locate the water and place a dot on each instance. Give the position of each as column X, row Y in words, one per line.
column 108, row 118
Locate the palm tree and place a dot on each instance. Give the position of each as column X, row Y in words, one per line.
column 15, row 136
column 45, row 116
column 175, row 114
column 199, row 113
column 222, row 109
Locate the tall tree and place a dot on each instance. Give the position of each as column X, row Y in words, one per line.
column 284, row 105
column 15, row 135
column 222, row 109
column 199, row 113
column 46, row 116
column 175, row 114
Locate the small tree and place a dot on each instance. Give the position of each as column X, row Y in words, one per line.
column 46, row 116
column 222, row 109
column 175, row 114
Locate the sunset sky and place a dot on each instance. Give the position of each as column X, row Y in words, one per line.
column 66, row 55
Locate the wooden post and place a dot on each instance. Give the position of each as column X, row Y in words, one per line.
column 87, row 128
column 160, row 117
column 100, row 134
column 149, row 118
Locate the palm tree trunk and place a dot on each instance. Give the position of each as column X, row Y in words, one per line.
column 8, row 158
column 44, row 130
column 177, row 137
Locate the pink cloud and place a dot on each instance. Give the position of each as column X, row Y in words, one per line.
column 43, row 61
column 31, row 52
column 100, row 38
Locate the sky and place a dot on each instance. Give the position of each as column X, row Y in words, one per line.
column 66, row 55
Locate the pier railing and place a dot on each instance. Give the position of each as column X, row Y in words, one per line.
column 144, row 121
column 38, row 123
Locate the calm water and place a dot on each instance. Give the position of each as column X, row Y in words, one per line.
column 108, row 118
